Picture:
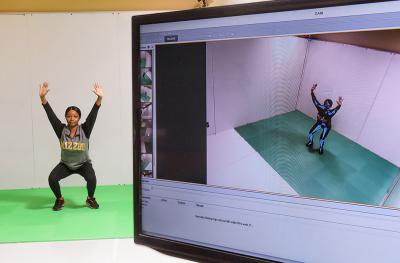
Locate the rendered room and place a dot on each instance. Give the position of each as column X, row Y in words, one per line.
column 260, row 145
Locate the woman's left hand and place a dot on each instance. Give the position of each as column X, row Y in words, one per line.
column 98, row 90
column 340, row 101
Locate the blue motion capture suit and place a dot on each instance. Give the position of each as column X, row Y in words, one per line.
column 323, row 121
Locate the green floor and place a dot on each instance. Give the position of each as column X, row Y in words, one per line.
column 26, row 215
column 346, row 171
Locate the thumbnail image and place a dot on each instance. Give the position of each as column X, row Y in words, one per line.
column 146, row 111
column 146, row 77
column 146, row 165
column 146, row 136
column 145, row 94
column 145, row 59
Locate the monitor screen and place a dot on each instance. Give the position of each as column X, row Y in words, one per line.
column 269, row 132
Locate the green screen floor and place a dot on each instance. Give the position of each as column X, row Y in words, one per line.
column 26, row 215
column 346, row 171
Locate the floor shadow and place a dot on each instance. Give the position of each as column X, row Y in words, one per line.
column 312, row 150
column 75, row 205
column 31, row 201
column 35, row 201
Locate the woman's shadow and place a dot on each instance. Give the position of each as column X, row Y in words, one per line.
column 34, row 200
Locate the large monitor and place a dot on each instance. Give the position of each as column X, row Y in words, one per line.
column 269, row 132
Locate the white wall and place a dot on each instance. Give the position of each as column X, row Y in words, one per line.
column 16, row 156
column 252, row 79
column 368, row 81
column 71, row 51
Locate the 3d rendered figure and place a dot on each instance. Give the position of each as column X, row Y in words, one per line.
column 74, row 143
column 325, row 114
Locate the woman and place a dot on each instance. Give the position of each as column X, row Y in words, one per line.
column 74, row 143
column 325, row 114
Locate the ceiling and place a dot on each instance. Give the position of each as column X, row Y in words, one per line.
column 384, row 40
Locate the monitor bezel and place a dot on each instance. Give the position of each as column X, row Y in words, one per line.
column 172, row 247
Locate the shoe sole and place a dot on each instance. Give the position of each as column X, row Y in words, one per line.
column 91, row 207
column 55, row 209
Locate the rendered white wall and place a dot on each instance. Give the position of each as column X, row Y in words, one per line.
column 210, row 90
column 343, row 70
column 252, row 79
column 368, row 81
column 380, row 133
column 71, row 51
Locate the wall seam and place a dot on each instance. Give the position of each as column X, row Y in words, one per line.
column 213, row 88
column 302, row 72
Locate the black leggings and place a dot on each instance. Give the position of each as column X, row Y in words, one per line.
column 61, row 171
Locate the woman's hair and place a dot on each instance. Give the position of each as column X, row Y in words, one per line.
column 74, row 108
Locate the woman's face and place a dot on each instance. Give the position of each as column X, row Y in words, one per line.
column 72, row 118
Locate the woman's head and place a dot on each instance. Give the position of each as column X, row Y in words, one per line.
column 72, row 115
column 328, row 103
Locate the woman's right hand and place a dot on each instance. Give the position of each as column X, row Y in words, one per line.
column 43, row 90
column 314, row 87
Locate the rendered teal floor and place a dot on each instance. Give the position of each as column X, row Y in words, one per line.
column 345, row 172
column 26, row 215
